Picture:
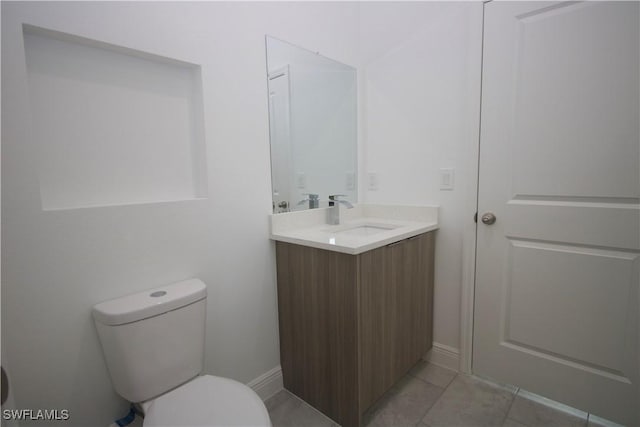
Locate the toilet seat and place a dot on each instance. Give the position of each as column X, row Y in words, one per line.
column 208, row 401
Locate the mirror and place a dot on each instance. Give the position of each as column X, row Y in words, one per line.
column 312, row 126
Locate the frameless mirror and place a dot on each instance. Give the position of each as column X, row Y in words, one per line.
column 313, row 127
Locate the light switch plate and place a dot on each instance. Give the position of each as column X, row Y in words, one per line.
column 373, row 181
column 446, row 178
column 350, row 181
column 301, row 181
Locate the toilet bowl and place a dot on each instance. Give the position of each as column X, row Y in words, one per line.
column 153, row 343
column 207, row 398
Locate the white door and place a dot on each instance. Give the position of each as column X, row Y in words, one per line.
column 556, row 299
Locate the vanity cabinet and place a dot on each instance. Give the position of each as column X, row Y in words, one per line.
column 352, row 325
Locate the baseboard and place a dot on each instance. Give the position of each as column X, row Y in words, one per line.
column 443, row 355
column 268, row 384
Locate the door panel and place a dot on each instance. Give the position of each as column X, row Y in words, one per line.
column 575, row 77
column 556, row 306
column 542, row 295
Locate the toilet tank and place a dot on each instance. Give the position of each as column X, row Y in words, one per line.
column 153, row 341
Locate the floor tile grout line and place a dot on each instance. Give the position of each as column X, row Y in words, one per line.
column 303, row 402
column 410, row 375
column 432, row 405
column 430, row 383
column 456, row 373
column 506, row 415
column 439, row 397
column 436, row 385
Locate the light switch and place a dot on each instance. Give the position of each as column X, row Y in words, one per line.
column 446, row 178
column 301, row 180
column 350, row 181
column 373, row 181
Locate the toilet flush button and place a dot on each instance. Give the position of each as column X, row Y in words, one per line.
column 158, row 294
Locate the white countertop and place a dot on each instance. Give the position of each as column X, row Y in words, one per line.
column 361, row 229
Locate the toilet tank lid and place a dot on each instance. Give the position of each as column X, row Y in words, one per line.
column 151, row 302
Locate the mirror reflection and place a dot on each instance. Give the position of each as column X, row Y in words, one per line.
column 313, row 127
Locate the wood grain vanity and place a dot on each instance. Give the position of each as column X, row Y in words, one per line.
column 352, row 325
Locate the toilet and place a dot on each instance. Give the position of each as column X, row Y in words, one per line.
column 153, row 343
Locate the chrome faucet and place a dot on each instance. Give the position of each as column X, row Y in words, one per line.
column 313, row 199
column 333, row 215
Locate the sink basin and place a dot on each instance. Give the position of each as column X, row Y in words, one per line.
column 363, row 229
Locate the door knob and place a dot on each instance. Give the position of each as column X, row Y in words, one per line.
column 488, row 218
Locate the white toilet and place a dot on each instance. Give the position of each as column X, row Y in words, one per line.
column 153, row 343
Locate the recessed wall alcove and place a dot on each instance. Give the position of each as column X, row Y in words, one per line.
column 112, row 125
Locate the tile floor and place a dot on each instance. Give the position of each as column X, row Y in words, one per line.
column 431, row 396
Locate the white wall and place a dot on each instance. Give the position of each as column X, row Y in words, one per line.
column 57, row 264
column 421, row 69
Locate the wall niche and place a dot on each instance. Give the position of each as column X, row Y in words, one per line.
column 112, row 125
